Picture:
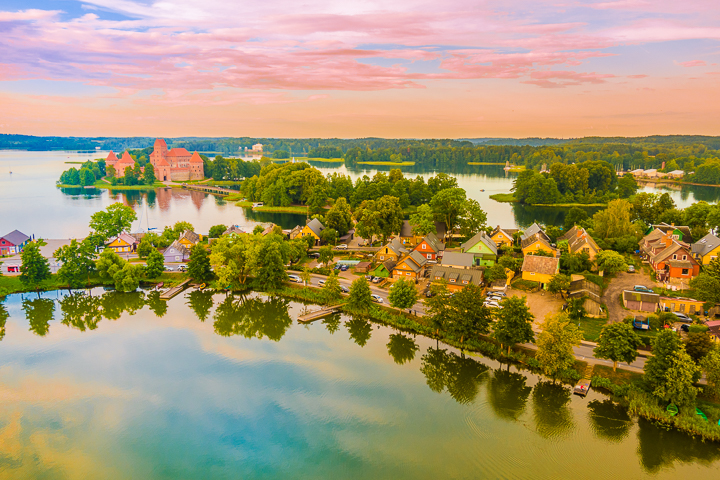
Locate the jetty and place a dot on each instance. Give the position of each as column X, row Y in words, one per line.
column 583, row 386
column 318, row 314
column 208, row 189
column 170, row 293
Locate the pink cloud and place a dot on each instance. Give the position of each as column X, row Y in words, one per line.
column 693, row 63
column 560, row 79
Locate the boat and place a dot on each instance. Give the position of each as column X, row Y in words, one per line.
column 201, row 286
column 159, row 285
column 672, row 409
column 700, row 413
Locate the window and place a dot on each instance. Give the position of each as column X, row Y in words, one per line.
column 429, row 256
column 423, row 246
column 684, row 271
column 382, row 257
column 684, row 257
column 675, row 256
column 452, row 280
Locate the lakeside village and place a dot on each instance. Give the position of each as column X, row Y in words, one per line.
column 638, row 282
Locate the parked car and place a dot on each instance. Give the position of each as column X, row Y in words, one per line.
column 321, row 282
column 681, row 317
column 169, row 268
column 182, row 268
column 344, row 289
column 377, row 280
column 376, row 298
column 642, row 288
column 498, row 294
column 368, row 278
column 685, row 327
column 491, row 304
column 258, row 204
column 295, row 278
column 343, row 268
column 336, row 267
column 313, row 255
column 429, row 293
column 631, row 268
column 342, row 246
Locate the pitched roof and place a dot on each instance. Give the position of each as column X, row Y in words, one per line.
column 406, row 229
column 533, row 230
column 536, row 238
column 316, row 226
column 16, row 237
column 414, row 260
column 433, row 242
column 705, row 245
column 396, row 246
column 160, row 144
column 577, row 237
column 179, row 247
column 234, row 229
column 125, row 237
column 570, row 234
column 666, row 252
column 458, row 259
column 481, row 237
column 196, row 158
column 190, row 235
column 714, row 327
column 439, row 272
column 510, row 232
column 111, row 158
column 161, row 162
column 666, row 228
column 389, row 264
column 178, row 152
column 126, row 158
column 645, row 297
column 540, row 264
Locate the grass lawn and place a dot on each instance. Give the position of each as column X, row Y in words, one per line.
column 289, row 209
column 327, row 160
column 398, row 164
column 527, row 285
column 591, row 327
column 564, row 205
column 503, row 197
column 619, row 377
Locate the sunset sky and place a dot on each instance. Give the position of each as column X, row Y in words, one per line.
column 320, row 68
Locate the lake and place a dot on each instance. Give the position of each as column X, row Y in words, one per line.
column 31, row 203
column 111, row 385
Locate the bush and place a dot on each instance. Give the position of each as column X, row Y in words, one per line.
column 698, row 328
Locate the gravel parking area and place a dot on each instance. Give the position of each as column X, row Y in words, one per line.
column 623, row 281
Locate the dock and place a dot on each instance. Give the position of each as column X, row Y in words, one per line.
column 209, row 189
column 317, row 314
column 583, row 386
column 170, row 293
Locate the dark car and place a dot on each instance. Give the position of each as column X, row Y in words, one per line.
column 343, row 268
column 429, row 293
column 314, row 255
column 685, row 327
column 642, row 288
column 344, row 289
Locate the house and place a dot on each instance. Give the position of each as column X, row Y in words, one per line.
column 532, row 230
column 313, row 229
column 536, row 268
column 385, row 269
column 176, row 252
column 347, row 238
column 13, row 243
column 189, row 239
column 483, row 249
column 650, row 173
column 637, row 173
column 236, row 230
column 412, row 265
column 706, row 249
column 430, row 247
column 258, row 147
column 123, row 243
column 534, row 244
column 176, row 164
column 503, row 236
column 676, row 174
column 363, row 267
column 681, row 233
column 688, row 306
column 295, row 232
column 641, row 301
column 580, row 241
column 455, row 278
column 407, row 238
column 714, row 330
column 458, row 260
column 669, row 257
column 392, row 251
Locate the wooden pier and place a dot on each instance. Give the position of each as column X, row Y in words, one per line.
column 583, row 386
column 170, row 293
column 209, row 189
column 317, row 314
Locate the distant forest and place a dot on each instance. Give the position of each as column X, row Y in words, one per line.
column 697, row 156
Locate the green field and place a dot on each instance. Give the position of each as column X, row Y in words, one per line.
column 503, row 197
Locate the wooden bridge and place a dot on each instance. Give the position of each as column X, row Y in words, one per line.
column 208, row 189
column 170, row 293
column 318, row 314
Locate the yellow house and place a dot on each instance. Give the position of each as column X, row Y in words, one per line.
column 407, row 238
column 706, row 249
column 313, row 229
column 412, row 265
column 540, row 269
column 123, row 243
column 503, row 236
column 189, row 239
column 392, row 251
column 579, row 241
column 532, row 245
column 688, row 306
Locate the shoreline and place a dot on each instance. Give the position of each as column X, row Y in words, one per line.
column 510, row 198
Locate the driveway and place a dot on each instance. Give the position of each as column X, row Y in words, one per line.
column 623, row 281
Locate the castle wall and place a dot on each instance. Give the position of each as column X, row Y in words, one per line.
column 180, row 174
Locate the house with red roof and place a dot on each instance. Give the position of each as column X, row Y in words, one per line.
column 13, row 242
column 176, row 164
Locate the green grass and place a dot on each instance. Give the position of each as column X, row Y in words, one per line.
column 565, row 205
column 503, row 197
column 591, row 327
column 241, row 203
column 301, row 209
column 619, row 377
column 75, row 163
column 327, row 160
column 398, row 164
column 527, row 285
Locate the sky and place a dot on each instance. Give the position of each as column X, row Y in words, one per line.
column 322, row 68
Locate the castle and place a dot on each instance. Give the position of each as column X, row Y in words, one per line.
column 176, row 164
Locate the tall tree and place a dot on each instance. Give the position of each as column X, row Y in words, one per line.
column 271, row 273
column 678, row 379
column 339, row 217
column 610, row 262
column 698, row 344
column 467, row 315
column 403, row 294
column 423, row 221
column 155, row 265
column 360, row 299
column 559, row 283
column 472, row 219
column 711, row 367
column 216, row 231
column 199, row 264
column 514, row 322
column 666, row 346
column 448, row 206
column 35, row 268
column 331, row 290
column 114, row 220
column 614, row 221
column 555, row 344
column 618, row 343
column 77, row 259
column 326, row 255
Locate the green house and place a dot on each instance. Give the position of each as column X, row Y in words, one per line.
column 677, row 232
column 483, row 248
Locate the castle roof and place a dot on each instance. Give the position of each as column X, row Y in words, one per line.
column 178, row 152
column 161, row 162
column 160, row 144
column 196, row 158
column 111, row 158
column 126, row 158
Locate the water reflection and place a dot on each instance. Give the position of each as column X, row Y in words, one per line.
column 252, row 317
column 360, row 330
column 460, row 375
column 81, row 311
column 508, row 393
column 609, row 420
column 659, row 448
column 402, row 348
column 201, row 302
column 553, row 417
column 156, row 304
column 39, row 312
column 4, row 315
column 332, row 322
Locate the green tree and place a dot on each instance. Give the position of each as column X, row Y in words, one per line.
column 77, row 259
column 555, row 344
column 359, row 298
column 403, row 294
column 514, row 322
column 423, row 221
column 306, row 276
column 576, row 309
column 698, row 344
column 155, row 265
column 109, row 263
column 86, row 177
column 326, row 255
column 610, row 262
column 149, row 175
column 258, row 230
column 216, row 231
column 467, row 316
column 331, row 290
column 618, row 343
column 339, row 217
column 199, row 264
column 676, row 384
column 559, row 283
column 666, row 346
column 127, row 279
column 234, row 258
column 35, row 268
column 711, row 367
column 448, row 206
column 575, row 216
column 614, row 221
column 627, row 186
column 145, row 247
column 496, row 272
column 271, row 273
column 707, row 287
column 437, row 307
column 472, row 219
column 112, row 221
column 329, row 236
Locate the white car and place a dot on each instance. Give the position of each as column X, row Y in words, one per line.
column 169, row 268
column 342, row 246
column 491, row 304
column 376, row 298
column 321, row 282
column 294, row 278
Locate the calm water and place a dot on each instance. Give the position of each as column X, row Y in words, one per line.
column 30, row 201
column 208, row 386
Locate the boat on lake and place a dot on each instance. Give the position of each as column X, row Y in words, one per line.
column 672, row 409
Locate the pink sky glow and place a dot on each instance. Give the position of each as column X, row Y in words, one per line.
column 320, row 68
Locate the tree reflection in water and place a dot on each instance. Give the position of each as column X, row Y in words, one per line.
column 508, row 393
column 252, row 317
column 3, row 318
column 200, row 301
column 460, row 375
column 157, row 305
column 81, row 311
column 332, row 323
column 114, row 304
column 608, row 420
column 39, row 312
column 553, row 418
column 360, row 330
column 402, row 348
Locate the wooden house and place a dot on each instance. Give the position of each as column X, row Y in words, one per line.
column 189, row 239
column 393, row 250
column 503, row 236
column 313, row 229
column 458, row 260
column 455, row 278
column 677, row 232
column 641, row 301
column 410, row 266
column 407, row 238
column 483, row 248
column 534, row 244
column 385, row 269
column 706, row 249
column 295, row 232
column 176, row 252
column 123, row 243
column 536, row 268
column 579, row 241
column 688, row 306
column 669, row 257
column 430, row 247
column 13, row 243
